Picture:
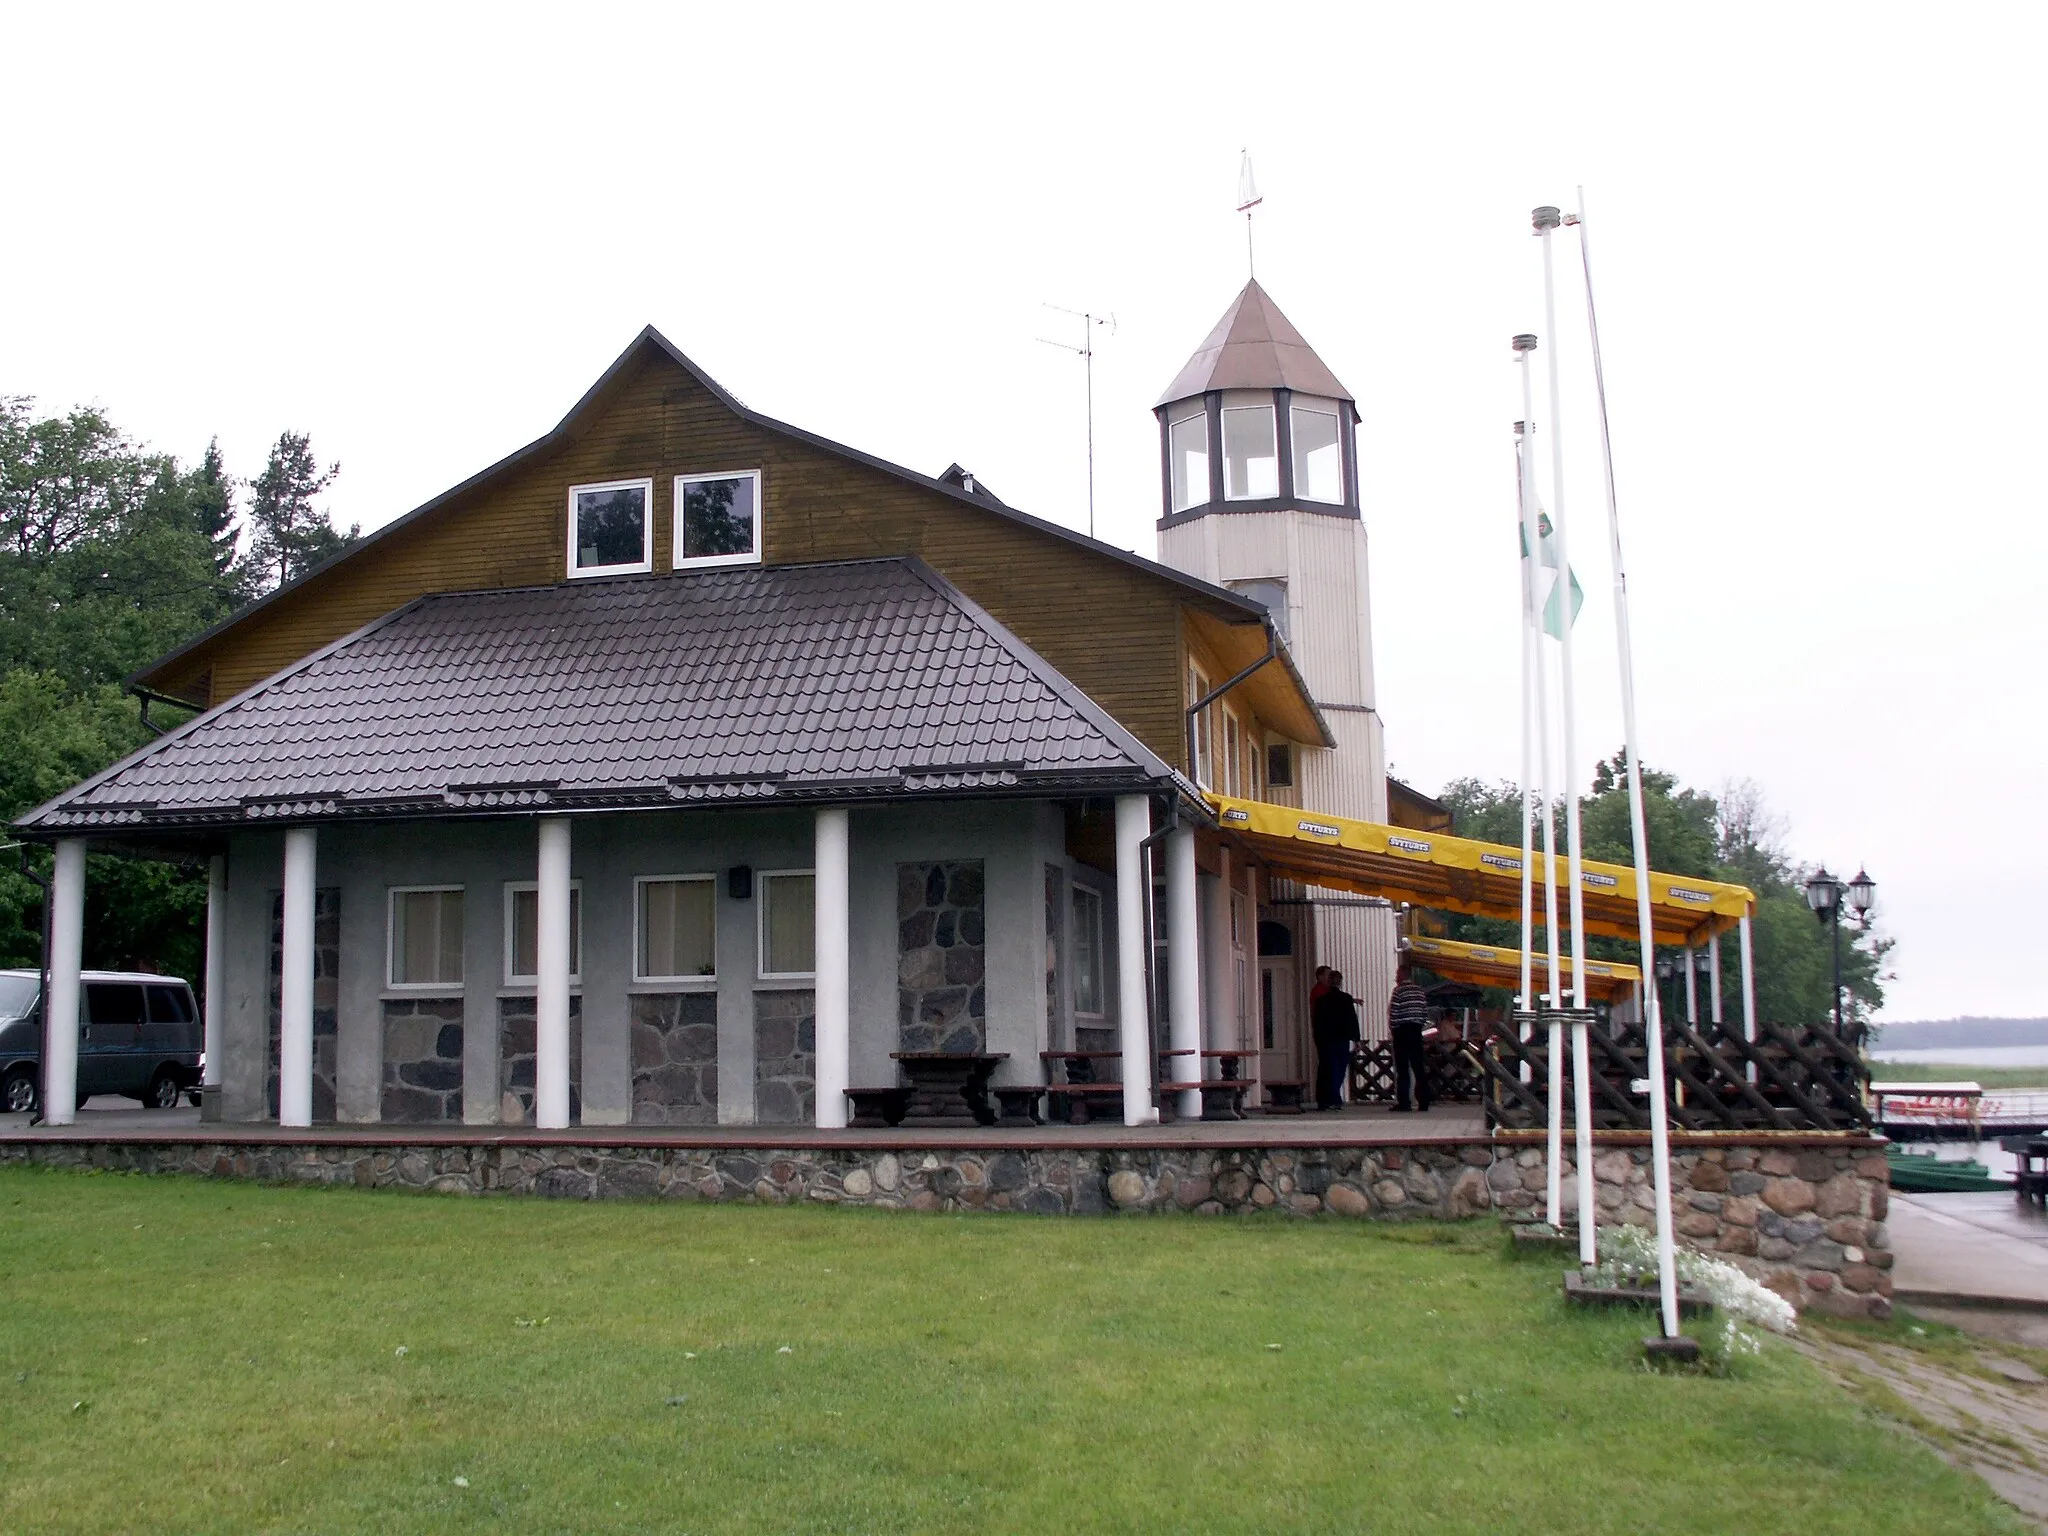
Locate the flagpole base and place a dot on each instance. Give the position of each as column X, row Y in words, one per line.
column 1677, row 1350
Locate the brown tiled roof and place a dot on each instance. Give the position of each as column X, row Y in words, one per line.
column 1254, row 346
column 847, row 680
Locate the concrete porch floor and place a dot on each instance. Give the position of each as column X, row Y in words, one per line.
column 115, row 1119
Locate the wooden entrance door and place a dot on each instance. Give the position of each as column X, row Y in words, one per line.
column 1278, row 1022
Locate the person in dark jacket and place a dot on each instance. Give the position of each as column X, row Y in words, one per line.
column 1407, row 1017
column 1333, row 1021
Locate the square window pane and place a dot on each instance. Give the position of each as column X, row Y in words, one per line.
column 426, row 938
column 611, row 527
column 788, row 924
column 719, row 517
column 677, row 928
column 1251, row 462
column 1187, row 448
column 1318, row 461
column 526, row 933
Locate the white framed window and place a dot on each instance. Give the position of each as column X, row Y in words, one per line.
column 1233, row 754
column 718, row 519
column 675, row 921
column 522, row 933
column 1085, row 907
column 1187, row 456
column 1318, row 460
column 611, row 528
column 1280, row 764
column 1270, row 590
column 1198, row 688
column 424, row 935
column 1251, row 457
column 788, row 936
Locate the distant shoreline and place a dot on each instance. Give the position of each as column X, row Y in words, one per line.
column 1960, row 1034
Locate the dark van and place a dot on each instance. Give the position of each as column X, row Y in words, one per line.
column 137, row 1034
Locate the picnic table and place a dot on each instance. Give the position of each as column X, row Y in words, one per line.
column 941, row 1084
column 1084, row 1086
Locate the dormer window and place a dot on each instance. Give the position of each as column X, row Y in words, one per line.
column 1187, row 451
column 1318, row 460
column 1251, row 458
column 718, row 519
column 611, row 528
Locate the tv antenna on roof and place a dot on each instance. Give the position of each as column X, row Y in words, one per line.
column 1247, row 199
column 1087, row 354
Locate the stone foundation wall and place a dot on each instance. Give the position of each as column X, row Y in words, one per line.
column 941, row 957
column 516, row 1049
column 422, row 1061
column 1808, row 1221
column 1814, row 1215
column 675, row 1058
column 785, row 1058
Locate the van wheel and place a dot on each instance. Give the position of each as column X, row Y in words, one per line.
column 164, row 1091
column 18, row 1092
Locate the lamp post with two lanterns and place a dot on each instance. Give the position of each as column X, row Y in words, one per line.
column 1824, row 894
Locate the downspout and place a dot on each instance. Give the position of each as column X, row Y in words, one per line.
column 150, row 696
column 42, row 998
column 1195, row 709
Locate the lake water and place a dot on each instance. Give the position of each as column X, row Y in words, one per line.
column 1977, row 1056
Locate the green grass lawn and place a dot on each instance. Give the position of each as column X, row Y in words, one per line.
column 188, row 1355
column 1958, row 1072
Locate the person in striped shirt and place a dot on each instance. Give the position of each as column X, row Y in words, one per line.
column 1407, row 1017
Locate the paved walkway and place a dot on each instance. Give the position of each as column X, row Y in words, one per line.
column 113, row 1119
column 1969, row 1248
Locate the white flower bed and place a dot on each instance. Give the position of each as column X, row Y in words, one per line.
column 1629, row 1257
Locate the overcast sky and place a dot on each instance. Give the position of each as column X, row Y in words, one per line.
column 418, row 233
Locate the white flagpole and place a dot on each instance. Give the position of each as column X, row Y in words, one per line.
column 1653, row 1028
column 1522, row 429
column 1546, row 220
column 1554, row 1192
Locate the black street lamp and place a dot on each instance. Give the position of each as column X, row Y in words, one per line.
column 1824, row 894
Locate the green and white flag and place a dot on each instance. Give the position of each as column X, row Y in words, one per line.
column 1543, row 580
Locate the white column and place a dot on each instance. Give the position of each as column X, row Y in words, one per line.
column 1692, row 991
column 1218, row 983
column 1134, row 1030
column 295, row 990
column 67, row 949
column 551, row 980
column 1184, row 968
column 1748, row 995
column 216, row 963
column 833, row 1003
column 1714, row 978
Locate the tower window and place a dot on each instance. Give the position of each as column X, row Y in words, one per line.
column 1251, row 462
column 1280, row 765
column 1318, row 459
column 1272, row 592
column 1187, row 451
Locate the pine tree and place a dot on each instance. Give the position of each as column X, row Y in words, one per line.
column 210, row 494
column 291, row 534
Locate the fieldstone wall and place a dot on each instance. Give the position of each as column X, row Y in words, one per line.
column 675, row 1058
column 326, row 974
column 516, row 1048
column 1807, row 1220
column 422, row 1061
column 785, row 1058
column 941, row 953
column 1448, row 1183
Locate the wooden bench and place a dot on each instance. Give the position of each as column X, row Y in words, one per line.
column 879, row 1106
column 1285, row 1096
column 1074, row 1100
column 1222, row 1097
column 1017, row 1104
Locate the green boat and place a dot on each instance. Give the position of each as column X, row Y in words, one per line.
column 1923, row 1173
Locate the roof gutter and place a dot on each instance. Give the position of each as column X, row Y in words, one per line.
column 1196, row 708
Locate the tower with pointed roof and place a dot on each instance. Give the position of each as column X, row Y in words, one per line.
column 1258, row 445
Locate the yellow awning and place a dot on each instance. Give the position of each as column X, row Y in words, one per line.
column 1455, row 874
column 1489, row 965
